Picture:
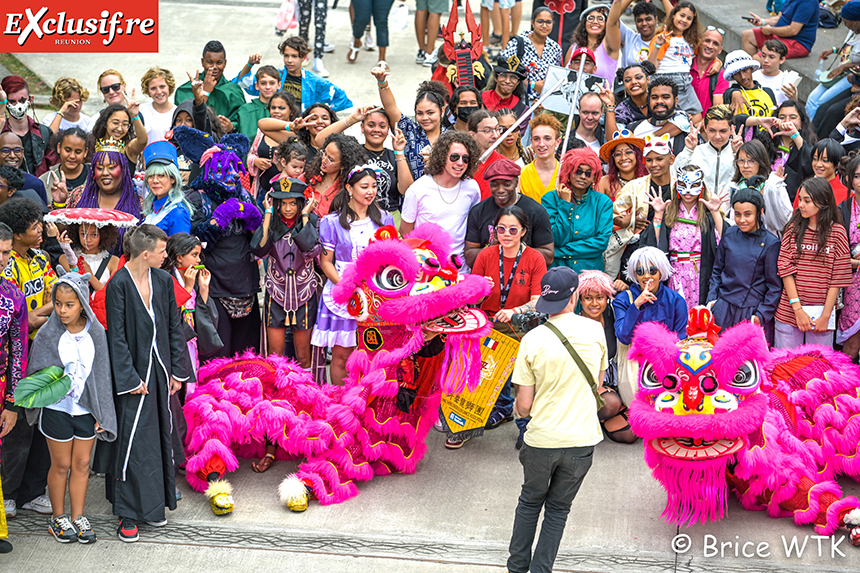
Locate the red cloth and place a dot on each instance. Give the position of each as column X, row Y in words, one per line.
column 525, row 285
column 840, row 191
column 479, row 174
column 795, row 48
column 494, row 102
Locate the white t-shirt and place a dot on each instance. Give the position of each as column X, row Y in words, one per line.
column 594, row 145
column 772, row 82
column 157, row 123
column 634, row 48
column 77, row 353
column 83, row 122
column 678, row 57
column 427, row 202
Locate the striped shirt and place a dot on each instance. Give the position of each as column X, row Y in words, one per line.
column 813, row 275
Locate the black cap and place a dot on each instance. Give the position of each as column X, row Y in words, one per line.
column 556, row 288
column 288, row 188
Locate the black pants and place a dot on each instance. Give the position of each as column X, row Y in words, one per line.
column 571, row 19
column 238, row 334
column 25, row 463
column 830, row 113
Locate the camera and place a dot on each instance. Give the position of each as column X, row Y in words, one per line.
column 528, row 320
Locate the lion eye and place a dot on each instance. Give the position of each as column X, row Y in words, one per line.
column 648, row 378
column 746, row 376
column 390, row 278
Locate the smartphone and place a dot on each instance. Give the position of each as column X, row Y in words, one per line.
column 749, row 19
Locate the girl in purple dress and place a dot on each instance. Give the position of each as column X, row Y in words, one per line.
column 344, row 233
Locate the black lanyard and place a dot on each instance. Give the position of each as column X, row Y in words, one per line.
column 505, row 287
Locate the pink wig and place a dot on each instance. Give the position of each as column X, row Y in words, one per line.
column 595, row 281
column 576, row 157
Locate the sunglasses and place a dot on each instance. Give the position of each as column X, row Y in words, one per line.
column 111, row 88
column 583, row 173
column 502, row 230
column 712, row 28
column 642, row 271
column 455, row 157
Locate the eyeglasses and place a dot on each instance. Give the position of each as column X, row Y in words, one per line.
column 490, row 130
column 622, row 153
column 583, row 173
column 158, row 176
column 595, row 18
column 747, row 162
column 118, row 123
column 544, row 22
column 10, row 150
column 111, row 88
column 642, row 271
column 502, row 230
column 455, row 157
column 712, row 28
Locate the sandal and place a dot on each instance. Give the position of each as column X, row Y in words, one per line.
column 263, row 464
column 383, row 64
column 352, row 54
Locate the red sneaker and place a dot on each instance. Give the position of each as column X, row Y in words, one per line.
column 127, row 530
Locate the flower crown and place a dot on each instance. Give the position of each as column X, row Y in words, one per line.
column 359, row 168
column 110, row 144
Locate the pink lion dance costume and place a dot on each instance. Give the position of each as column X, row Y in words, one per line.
column 396, row 289
column 720, row 413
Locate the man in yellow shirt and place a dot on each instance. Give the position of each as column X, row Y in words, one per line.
column 564, row 428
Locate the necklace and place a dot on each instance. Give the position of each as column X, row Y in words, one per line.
column 376, row 155
column 439, row 189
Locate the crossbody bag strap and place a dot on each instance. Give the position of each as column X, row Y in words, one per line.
column 579, row 362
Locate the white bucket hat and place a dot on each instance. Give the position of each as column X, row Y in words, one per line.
column 736, row 61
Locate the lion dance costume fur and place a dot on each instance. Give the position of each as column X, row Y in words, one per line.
column 720, row 413
column 374, row 424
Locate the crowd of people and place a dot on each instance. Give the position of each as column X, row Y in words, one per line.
column 686, row 181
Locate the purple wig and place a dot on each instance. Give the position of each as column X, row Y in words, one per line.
column 129, row 201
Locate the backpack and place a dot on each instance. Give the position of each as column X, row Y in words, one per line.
column 827, row 19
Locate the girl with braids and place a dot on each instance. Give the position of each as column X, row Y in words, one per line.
column 344, row 233
column 328, row 171
column 591, row 33
column 687, row 228
column 422, row 132
column 814, row 263
column 512, row 146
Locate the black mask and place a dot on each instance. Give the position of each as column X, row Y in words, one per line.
column 463, row 112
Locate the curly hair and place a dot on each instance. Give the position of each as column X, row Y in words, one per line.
column 63, row 90
column 547, row 120
column 304, row 133
column 14, row 177
column 291, row 148
column 351, row 154
column 693, row 34
column 439, row 153
column 297, row 43
column 108, row 237
column 100, row 127
column 20, row 213
column 662, row 81
column 157, row 72
column 580, row 34
column 571, row 160
column 434, row 92
column 455, row 97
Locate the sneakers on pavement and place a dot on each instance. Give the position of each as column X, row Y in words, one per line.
column 41, row 504
column 161, row 523
column 422, row 55
column 319, row 68
column 127, row 530
column 455, row 443
column 497, row 418
column 369, row 44
column 10, row 507
column 430, row 60
column 328, row 48
column 62, row 529
column 85, row 532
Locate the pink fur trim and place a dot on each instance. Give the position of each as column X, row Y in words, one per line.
column 735, row 346
column 422, row 308
column 648, row 423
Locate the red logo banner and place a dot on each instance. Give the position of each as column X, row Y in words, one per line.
column 85, row 26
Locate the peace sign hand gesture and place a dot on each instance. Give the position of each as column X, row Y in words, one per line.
column 398, row 140
column 59, row 191
column 132, row 104
column 737, row 139
column 361, row 113
column 692, row 139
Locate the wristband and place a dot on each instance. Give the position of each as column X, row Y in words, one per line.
column 135, row 118
column 835, row 51
column 4, row 102
column 399, row 152
column 287, row 127
column 73, row 269
column 382, row 82
column 610, row 109
column 269, row 211
column 795, row 135
column 59, row 205
column 793, row 300
column 205, row 93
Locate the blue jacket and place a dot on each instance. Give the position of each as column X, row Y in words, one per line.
column 171, row 219
column 315, row 89
column 669, row 309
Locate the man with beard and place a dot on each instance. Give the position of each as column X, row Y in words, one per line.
column 12, row 154
column 503, row 177
column 589, row 130
column 559, row 370
column 662, row 101
column 224, row 96
column 635, row 42
column 708, row 82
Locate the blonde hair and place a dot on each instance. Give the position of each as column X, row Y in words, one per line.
column 63, row 89
column 674, row 208
column 157, row 72
column 109, row 72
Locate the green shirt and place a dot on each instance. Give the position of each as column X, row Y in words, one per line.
column 225, row 99
column 249, row 114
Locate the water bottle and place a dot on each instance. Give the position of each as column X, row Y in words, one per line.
column 822, row 65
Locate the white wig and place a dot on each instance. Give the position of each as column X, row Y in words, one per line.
column 645, row 257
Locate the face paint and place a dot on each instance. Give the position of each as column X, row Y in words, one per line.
column 690, row 182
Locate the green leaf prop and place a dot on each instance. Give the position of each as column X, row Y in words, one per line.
column 43, row 388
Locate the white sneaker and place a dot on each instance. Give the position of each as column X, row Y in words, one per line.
column 10, row 507
column 369, row 44
column 438, row 426
column 430, row 60
column 319, row 68
column 161, row 523
column 41, row 504
column 328, row 48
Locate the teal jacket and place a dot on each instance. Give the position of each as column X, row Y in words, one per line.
column 315, row 89
column 249, row 114
column 581, row 230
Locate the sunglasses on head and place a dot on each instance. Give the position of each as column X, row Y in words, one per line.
column 642, row 271
column 712, row 28
column 455, row 157
column 111, row 88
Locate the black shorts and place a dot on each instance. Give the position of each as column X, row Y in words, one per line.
column 302, row 319
column 62, row 427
